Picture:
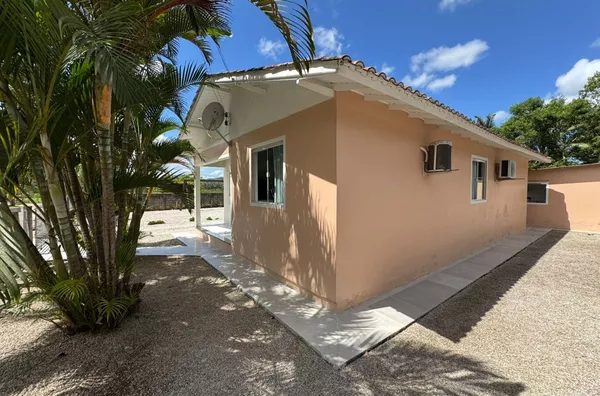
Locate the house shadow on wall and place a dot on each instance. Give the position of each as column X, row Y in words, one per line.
column 296, row 242
column 553, row 215
column 460, row 314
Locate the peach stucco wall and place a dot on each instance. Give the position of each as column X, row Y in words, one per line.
column 573, row 199
column 297, row 242
column 396, row 224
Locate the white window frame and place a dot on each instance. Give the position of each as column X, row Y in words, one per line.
column 487, row 170
column 547, row 192
column 254, row 176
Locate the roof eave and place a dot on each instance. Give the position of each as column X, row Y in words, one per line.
column 416, row 102
column 405, row 98
column 283, row 72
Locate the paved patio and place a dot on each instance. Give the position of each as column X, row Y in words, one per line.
column 341, row 338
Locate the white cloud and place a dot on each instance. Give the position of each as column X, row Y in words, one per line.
column 207, row 172
column 419, row 81
column 570, row 83
column 452, row 4
column 427, row 65
column 449, row 58
column 596, row 43
column 442, row 83
column 269, row 48
column 328, row 41
column 387, row 69
column 430, row 81
column 501, row 116
column 551, row 96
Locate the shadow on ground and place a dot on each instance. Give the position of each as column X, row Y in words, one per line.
column 196, row 334
column 466, row 309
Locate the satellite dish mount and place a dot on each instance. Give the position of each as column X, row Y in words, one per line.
column 213, row 117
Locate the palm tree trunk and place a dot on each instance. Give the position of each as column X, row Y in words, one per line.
column 51, row 221
column 122, row 202
column 136, row 218
column 67, row 239
column 79, row 208
column 103, row 99
column 93, row 212
column 56, row 194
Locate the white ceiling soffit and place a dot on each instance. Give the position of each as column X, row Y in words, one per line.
column 253, row 78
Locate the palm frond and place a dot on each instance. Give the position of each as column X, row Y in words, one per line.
column 125, row 256
column 293, row 21
column 114, row 310
column 168, row 150
column 165, row 180
column 71, row 290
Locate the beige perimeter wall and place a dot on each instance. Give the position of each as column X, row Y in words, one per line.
column 573, row 201
column 298, row 242
column 395, row 224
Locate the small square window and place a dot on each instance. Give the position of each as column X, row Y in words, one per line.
column 537, row 193
column 478, row 179
column 268, row 176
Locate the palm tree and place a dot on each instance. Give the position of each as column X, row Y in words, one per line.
column 83, row 89
column 487, row 122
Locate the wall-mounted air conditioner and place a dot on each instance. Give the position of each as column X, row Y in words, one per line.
column 507, row 169
column 439, row 157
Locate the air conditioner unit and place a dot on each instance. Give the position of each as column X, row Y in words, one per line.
column 439, row 157
column 507, row 169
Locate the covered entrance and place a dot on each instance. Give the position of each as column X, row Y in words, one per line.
column 218, row 226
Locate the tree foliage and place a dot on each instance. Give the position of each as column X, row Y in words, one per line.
column 566, row 131
column 84, row 86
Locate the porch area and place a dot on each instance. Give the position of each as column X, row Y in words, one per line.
column 220, row 170
column 219, row 231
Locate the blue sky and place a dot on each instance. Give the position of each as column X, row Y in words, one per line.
column 477, row 56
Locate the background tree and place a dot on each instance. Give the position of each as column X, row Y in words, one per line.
column 487, row 122
column 591, row 90
column 559, row 129
column 590, row 151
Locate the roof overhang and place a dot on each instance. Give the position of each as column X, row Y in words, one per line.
column 341, row 74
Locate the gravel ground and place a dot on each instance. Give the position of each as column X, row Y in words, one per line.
column 175, row 221
column 531, row 326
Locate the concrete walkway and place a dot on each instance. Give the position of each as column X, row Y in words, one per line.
column 340, row 338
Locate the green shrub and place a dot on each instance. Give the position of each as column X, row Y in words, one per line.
column 154, row 222
column 192, row 219
column 209, row 218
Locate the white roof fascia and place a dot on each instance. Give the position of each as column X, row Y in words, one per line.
column 445, row 117
column 281, row 75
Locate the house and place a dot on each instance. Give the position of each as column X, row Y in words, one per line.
column 565, row 198
column 345, row 184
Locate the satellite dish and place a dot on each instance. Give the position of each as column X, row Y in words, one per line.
column 213, row 116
